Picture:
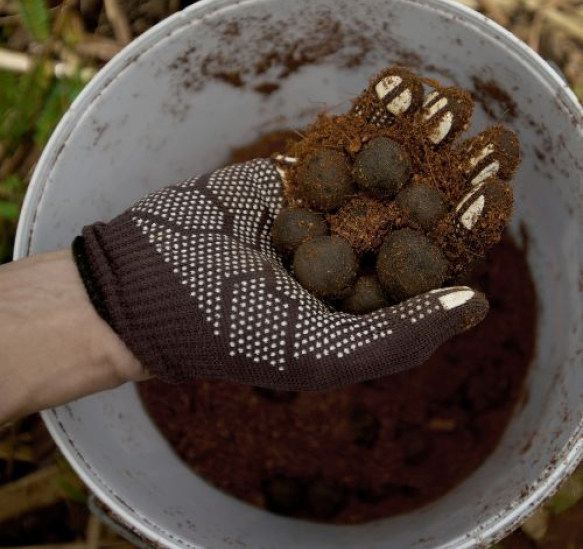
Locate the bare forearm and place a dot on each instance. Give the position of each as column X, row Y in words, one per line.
column 53, row 346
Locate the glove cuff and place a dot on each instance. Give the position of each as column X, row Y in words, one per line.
column 91, row 286
column 104, row 254
column 135, row 291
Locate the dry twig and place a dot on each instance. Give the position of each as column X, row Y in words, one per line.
column 93, row 533
column 102, row 49
column 473, row 4
column 16, row 451
column 571, row 24
column 119, row 21
column 11, row 163
column 36, row 490
column 542, row 12
column 496, row 10
column 22, row 62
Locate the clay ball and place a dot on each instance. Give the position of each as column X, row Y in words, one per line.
column 292, row 226
column 324, row 180
column 381, row 168
column 367, row 295
column 326, row 266
column 423, row 204
column 410, row 264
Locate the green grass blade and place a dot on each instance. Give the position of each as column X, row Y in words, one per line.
column 12, row 184
column 20, row 116
column 71, row 490
column 9, row 210
column 35, row 15
column 569, row 494
column 58, row 100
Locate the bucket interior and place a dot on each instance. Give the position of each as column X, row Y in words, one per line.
column 219, row 75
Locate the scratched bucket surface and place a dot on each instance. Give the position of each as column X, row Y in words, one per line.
column 176, row 101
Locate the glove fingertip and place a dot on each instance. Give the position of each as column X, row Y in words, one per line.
column 476, row 310
column 463, row 307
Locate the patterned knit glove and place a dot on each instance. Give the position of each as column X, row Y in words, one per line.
column 190, row 281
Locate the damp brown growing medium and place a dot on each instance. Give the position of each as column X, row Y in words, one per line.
column 396, row 180
column 420, row 433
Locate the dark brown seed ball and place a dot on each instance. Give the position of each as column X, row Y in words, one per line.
column 326, row 266
column 367, row 295
column 292, row 226
column 365, row 427
column 284, row 495
column 324, row 500
column 381, row 168
column 410, row 264
column 324, row 180
column 423, row 204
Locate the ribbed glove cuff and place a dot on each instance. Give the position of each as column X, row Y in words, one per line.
column 135, row 291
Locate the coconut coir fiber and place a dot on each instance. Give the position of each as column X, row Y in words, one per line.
column 369, row 450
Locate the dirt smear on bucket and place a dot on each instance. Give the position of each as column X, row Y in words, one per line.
column 328, row 36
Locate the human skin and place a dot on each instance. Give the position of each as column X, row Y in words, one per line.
column 54, row 347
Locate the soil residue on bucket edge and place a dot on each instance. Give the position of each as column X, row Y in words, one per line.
column 419, row 433
column 496, row 102
column 328, row 36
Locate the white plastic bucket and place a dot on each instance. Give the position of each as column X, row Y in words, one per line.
column 151, row 117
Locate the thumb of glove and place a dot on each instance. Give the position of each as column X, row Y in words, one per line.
column 398, row 338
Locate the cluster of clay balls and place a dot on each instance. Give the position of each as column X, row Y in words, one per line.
column 406, row 264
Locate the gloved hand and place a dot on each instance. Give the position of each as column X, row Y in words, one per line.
column 189, row 279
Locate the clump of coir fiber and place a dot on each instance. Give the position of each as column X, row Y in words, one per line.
column 392, row 163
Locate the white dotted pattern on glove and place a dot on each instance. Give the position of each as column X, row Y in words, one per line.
column 217, row 238
column 186, row 209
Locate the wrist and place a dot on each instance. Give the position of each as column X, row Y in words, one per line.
column 53, row 346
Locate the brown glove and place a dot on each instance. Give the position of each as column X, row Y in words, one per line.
column 189, row 279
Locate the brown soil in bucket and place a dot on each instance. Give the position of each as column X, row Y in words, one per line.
column 419, row 433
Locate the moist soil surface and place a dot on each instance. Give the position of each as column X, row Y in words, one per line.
column 368, row 450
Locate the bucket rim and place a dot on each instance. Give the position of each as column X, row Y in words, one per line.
column 500, row 522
